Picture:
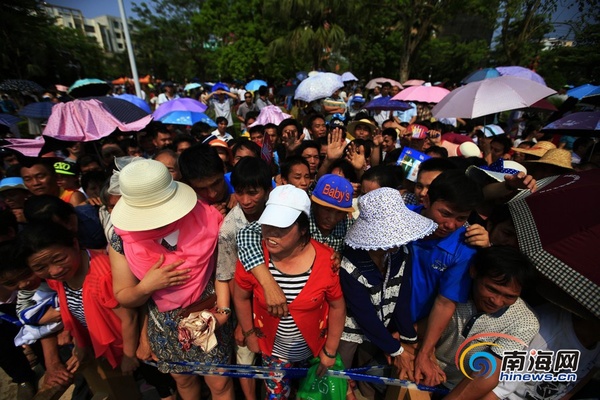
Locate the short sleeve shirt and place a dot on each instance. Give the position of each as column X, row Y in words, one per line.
column 439, row 266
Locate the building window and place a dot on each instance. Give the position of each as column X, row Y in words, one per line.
column 120, row 46
column 117, row 35
column 90, row 29
column 116, row 25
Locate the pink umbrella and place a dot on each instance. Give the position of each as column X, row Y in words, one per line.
column 378, row 81
column 413, row 82
column 87, row 120
column 423, row 94
column 27, row 147
column 270, row 115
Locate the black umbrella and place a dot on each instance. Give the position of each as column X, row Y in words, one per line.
column 20, row 85
column 121, row 109
column 88, row 87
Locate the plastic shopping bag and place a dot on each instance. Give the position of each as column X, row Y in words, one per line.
column 326, row 388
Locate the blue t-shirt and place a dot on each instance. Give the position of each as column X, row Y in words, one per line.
column 439, row 266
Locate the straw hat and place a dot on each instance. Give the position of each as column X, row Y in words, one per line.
column 538, row 150
column 369, row 124
column 385, row 222
column 150, row 197
column 557, row 157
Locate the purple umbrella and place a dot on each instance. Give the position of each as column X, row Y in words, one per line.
column 135, row 100
column 576, row 124
column 521, row 72
column 182, row 104
column 386, row 104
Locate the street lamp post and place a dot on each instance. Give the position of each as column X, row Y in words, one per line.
column 134, row 72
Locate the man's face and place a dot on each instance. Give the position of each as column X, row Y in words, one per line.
column 248, row 98
column 241, row 153
column 212, row 189
column 395, row 90
column 299, row 176
column 490, row 297
column 496, row 150
column 181, row 146
column 424, row 179
column 39, row 180
column 327, row 218
column 361, row 131
column 171, row 163
column 388, row 143
column 272, row 133
column 93, row 166
column 257, row 137
column 134, row 151
column 162, row 140
column 318, row 128
column 385, row 91
column 20, row 280
column 448, row 218
column 252, row 201
column 67, row 182
column 221, row 127
column 311, row 155
column 11, row 159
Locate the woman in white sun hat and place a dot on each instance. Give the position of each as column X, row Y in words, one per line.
column 169, row 242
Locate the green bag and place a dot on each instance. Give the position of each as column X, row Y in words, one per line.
column 326, row 388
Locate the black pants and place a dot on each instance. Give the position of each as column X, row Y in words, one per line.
column 12, row 358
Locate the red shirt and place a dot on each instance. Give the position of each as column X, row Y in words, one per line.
column 104, row 326
column 310, row 309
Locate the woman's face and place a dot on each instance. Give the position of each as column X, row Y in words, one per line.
column 56, row 262
column 299, row 176
column 281, row 240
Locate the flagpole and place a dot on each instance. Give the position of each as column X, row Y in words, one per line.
column 134, row 72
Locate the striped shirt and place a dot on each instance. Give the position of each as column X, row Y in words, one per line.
column 289, row 343
column 75, row 303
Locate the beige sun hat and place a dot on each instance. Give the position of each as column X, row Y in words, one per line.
column 368, row 123
column 538, row 150
column 150, row 198
column 557, row 157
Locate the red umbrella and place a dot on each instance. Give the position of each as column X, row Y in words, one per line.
column 558, row 227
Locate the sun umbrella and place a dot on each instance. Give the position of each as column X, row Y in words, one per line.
column 20, row 85
column 255, row 85
column 313, row 73
column 348, row 77
column 41, row 109
column 489, row 97
column 121, row 109
column 521, row 72
column 386, row 104
column 88, row 87
column 135, row 100
column 26, row 147
column 186, row 118
column 581, row 91
column 192, row 86
column 563, row 245
column 585, row 123
column 220, row 86
column 9, row 120
column 592, row 98
column 413, row 82
column 181, row 104
column 318, row 86
column 480, row 75
column 378, row 81
column 270, row 115
column 423, row 94
column 88, row 120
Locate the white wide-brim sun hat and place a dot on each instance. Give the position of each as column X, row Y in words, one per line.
column 385, row 223
column 150, row 198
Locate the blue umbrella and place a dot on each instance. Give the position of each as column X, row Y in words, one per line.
column 88, row 87
column 9, row 120
column 41, row 109
column 255, row 84
column 192, row 86
column 480, row 75
column 186, row 118
column 581, row 91
column 386, row 103
column 220, row 86
column 135, row 100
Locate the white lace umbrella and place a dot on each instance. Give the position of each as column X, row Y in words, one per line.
column 318, row 86
column 490, row 96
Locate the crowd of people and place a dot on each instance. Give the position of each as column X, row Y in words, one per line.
column 304, row 237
